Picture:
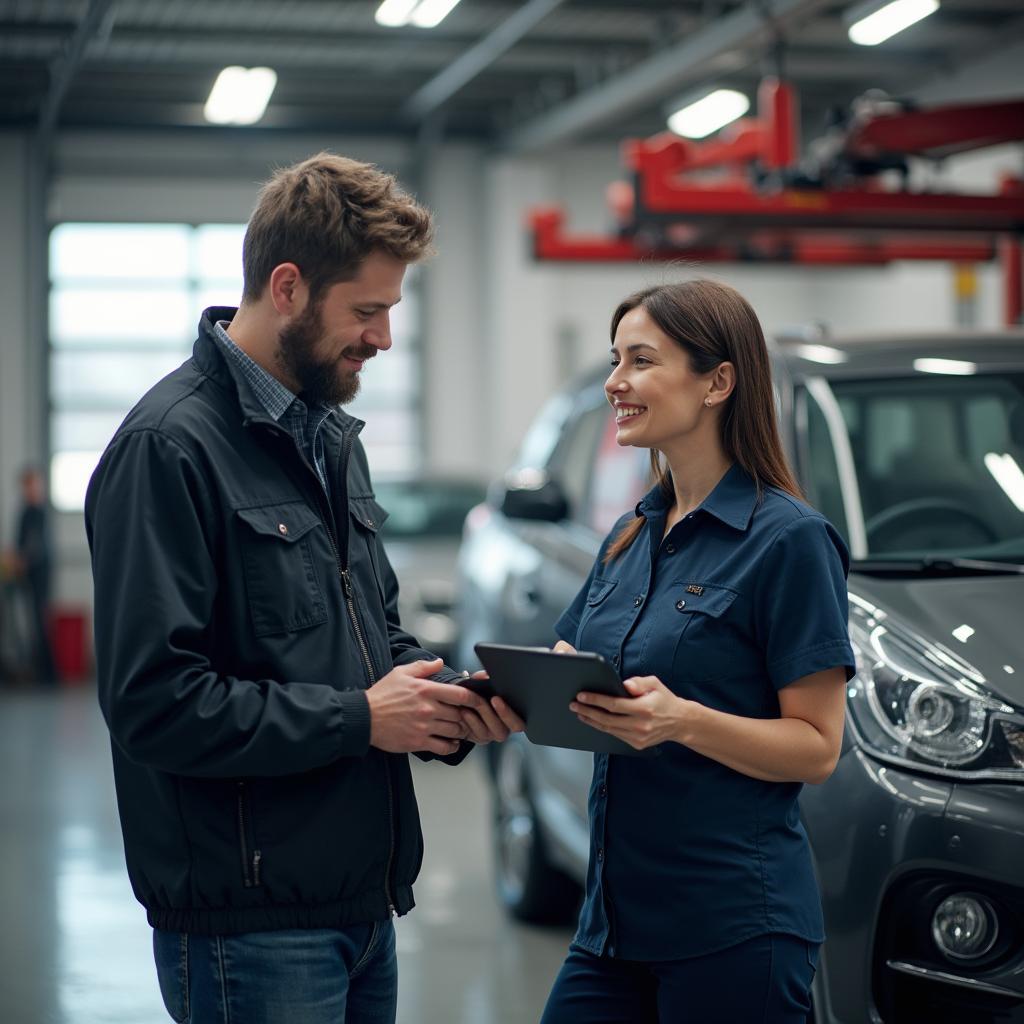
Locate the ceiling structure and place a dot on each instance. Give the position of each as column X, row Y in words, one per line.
column 521, row 76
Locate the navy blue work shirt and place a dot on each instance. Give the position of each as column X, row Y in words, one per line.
column 743, row 597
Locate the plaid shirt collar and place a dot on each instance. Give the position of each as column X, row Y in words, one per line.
column 273, row 395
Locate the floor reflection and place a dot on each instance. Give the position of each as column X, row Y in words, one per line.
column 77, row 949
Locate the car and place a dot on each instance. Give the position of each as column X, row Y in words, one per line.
column 421, row 536
column 913, row 446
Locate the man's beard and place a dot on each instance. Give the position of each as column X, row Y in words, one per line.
column 321, row 381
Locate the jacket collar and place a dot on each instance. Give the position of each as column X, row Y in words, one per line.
column 208, row 357
column 732, row 501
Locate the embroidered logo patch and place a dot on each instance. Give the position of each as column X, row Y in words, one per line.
column 693, row 588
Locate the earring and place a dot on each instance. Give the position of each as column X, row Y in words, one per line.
column 707, row 402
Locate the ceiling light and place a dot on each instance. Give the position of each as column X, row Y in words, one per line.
column 421, row 13
column 959, row 367
column 821, row 354
column 432, row 12
column 875, row 24
column 709, row 114
column 240, row 95
column 395, row 13
column 1008, row 475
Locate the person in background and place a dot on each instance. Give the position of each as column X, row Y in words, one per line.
column 261, row 693
column 722, row 601
column 30, row 566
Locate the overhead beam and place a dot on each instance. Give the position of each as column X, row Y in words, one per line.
column 465, row 68
column 699, row 54
column 66, row 67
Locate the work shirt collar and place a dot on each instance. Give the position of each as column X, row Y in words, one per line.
column 732, row 501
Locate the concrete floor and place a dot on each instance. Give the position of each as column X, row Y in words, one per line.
column 75, row 947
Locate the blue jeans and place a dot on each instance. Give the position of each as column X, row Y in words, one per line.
column 765, row 980
column 317, row 976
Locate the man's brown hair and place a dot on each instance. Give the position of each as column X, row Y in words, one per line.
column 326, row 215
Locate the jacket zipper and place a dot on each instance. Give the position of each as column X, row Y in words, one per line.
column 350, row 602
column 250, row 865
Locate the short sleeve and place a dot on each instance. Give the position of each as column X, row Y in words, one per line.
column 801, row 605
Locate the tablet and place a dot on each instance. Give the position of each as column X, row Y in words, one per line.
column 539, row 684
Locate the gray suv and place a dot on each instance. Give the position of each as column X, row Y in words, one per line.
column 913, row 446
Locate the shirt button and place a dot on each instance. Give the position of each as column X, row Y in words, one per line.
column 637, row 601
column 670, row 548
column 680, row 605
column 600, row 853
column 615, row 661
column 282, row 529
column 602, row 790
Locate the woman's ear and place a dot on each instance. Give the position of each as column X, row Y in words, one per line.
column 723, row 380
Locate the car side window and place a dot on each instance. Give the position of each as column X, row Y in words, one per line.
column 826, row 492
column 622, row 476
column 573, row 460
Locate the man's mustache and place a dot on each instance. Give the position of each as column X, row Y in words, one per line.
column 360, row 352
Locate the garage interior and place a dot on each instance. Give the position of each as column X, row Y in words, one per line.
column 867, row 189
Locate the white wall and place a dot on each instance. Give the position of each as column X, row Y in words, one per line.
column 501, row 331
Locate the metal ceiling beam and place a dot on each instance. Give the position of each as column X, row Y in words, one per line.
column 699, row 54
column 477, row 58
column 66, row 67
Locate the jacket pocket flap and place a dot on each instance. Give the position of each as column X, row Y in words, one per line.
column 288, row 521
column 368, row 513
column 703, row 598
column 600, row 589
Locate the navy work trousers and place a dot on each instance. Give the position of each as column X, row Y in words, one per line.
column 765, row 980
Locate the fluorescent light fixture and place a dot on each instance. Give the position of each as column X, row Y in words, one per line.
column 240, row 95
column 821, row 354
column 432, row 12
column 956, row 367
column 709, row 114
column 395, row 13
column 1008, row 475
column 421, row 13
column 963, row 633
column 886, row 21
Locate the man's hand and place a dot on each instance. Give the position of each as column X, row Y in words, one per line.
column 410, row 712
column 562, row 647
column 491, row 722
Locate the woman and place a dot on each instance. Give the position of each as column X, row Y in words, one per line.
column 722, row 602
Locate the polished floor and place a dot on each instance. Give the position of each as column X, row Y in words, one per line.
column 74, row 944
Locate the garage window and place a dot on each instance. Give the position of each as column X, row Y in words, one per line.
column 124, row 303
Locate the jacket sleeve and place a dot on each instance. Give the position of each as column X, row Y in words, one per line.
column 152, row 536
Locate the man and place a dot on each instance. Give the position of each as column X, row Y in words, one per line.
column 260, row 691
column 32, row 564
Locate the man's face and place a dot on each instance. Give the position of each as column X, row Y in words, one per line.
column 324, row 347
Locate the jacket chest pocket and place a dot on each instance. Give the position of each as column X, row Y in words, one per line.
column 282, row 578
column 366, row 517
column 709, row 646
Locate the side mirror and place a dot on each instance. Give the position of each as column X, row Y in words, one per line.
column 532, row 494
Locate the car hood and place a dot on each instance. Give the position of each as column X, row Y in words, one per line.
column 988, row 605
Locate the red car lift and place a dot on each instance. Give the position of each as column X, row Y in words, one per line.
column 744, row 196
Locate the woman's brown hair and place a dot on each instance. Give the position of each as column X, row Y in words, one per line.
column 714, row 324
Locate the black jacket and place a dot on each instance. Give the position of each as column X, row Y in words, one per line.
column 238, row 624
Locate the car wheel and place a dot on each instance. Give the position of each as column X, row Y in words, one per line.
column 529, row 886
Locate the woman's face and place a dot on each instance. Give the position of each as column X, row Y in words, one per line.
column 657, row 397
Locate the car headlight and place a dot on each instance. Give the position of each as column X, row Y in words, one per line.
column 913, row 701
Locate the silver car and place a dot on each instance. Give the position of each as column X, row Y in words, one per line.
column 913, row 446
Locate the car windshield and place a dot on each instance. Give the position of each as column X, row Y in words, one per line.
column 938, row 463
column 427, row 508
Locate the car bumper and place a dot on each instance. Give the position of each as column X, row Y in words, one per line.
column 889, row 845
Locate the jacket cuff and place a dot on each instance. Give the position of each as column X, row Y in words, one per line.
column 355, row 723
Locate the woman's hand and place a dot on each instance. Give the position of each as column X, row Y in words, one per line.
column 564, row 648
column 651, row 716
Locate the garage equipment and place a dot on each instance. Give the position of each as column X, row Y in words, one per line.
column 746, row 195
